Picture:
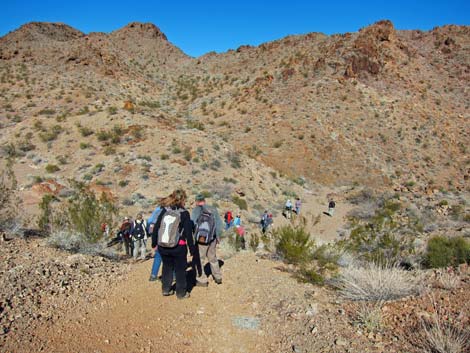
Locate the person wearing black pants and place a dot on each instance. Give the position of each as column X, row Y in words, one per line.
column 175, row 259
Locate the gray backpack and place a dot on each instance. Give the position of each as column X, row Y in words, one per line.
column 168, row 233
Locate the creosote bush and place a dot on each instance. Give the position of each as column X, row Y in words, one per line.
column 82, row 216
column 293, row 244
column 444, row 251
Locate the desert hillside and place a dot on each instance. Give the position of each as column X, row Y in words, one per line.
column 98, row 126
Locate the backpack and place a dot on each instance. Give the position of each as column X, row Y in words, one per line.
column 139, row 230
column 228, row 217
column 205, row 227
column 168, row 233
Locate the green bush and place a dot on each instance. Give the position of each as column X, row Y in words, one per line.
column 254, row 241
column 52, row 168
column 164, row 156
column 443, row 251
column 86, row 213
column 293, row 243
column 44, row 220
column 241, row 203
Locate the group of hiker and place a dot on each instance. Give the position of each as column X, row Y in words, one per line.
column 289, row 208
column 173, row 232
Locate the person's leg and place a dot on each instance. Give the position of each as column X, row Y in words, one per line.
column 201, row 276
column 143, row 248
column 180, row 268
column 167, row 273
column 157, row 260
column 214, row 262
column 136, row 248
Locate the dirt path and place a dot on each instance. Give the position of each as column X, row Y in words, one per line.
column 135, row 317
column 247, row 313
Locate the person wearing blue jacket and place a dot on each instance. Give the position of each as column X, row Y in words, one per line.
column 157, row 259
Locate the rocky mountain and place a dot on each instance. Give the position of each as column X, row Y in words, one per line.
column 379, row 107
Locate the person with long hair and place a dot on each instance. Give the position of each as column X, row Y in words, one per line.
column 175, row 259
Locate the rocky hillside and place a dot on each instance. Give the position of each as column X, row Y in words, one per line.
column 130, row 113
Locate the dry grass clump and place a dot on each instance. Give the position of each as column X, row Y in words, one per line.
column 442, row 335
column 448, row 280
column 373, row 282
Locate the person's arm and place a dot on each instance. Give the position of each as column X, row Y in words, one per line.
column 156, row 228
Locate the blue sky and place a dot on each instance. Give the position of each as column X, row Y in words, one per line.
column 198, row 27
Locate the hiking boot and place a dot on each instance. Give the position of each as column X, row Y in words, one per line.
column 153, row 278
column 202, row 284
column 187, row 295
column 167, row 294
column 218, row 281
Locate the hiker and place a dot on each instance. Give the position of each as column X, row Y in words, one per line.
column 288, row 208
column 139, row 237
column 241, row 234
column 173, row 235
column 208, row 229
column 228, row 219
column 125, row 231
column 298, row 204
column 264, row 222
column 331, row 207
column 157, row 259
column 237, row 222
column 105, row 230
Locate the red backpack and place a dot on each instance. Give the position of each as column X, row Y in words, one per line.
column 228, row 217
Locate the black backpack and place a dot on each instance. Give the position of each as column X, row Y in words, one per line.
column 139, row 230
column 205, row 227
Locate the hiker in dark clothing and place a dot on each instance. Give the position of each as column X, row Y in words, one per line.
column 175, row 258
column 331, row 207
column 125, row 231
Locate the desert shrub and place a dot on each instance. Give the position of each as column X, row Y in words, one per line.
column 377, row 282
column 187, row 153
column 85, row 131
column 47, row 111
column 241, row 203
column 369, row 316
column 382, row 238
column 194, row 124
column 45, row 217
column 176, row 150
column 123, row 183
column 254, row 241
column 230, row 180
column 9, row 201
column 84, row 145
column 293, row 244
column 52, row 168
column 235, row 240
column 443, row 251
column 234, row 159
column 310, row 274
column 215, row 164
column 51, row 133
column 109, row 150
column 164, row 156
column 85, row 213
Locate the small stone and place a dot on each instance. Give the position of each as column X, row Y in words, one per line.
column 314, row 330
column 340, row 342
